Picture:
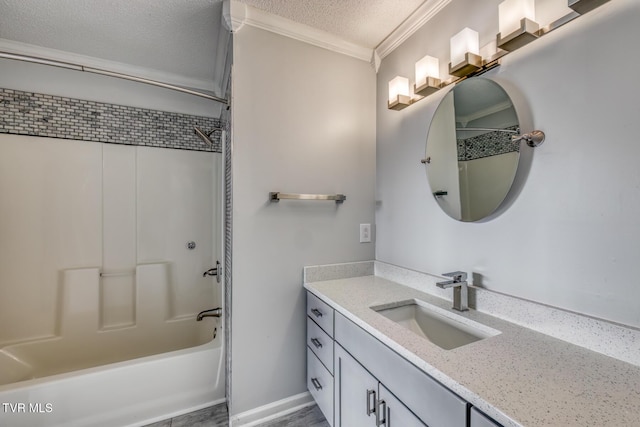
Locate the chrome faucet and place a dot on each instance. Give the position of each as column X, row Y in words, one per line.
column 214, row 312
column 460, row 290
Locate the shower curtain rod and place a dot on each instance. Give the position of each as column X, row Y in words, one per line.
column 78, row 67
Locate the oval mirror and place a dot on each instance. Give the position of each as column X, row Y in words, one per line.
column 470, row 158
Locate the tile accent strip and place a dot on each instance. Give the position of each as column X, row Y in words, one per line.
column 36, row 114
column 487, row 144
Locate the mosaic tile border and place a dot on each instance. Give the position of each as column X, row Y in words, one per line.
column 36, row 114
column 487, row 144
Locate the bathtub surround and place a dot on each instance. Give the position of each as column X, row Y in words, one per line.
column 86, row 214
column 108, row 208
column 36, row 114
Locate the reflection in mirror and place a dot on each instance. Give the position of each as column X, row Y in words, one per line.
column 472, row 160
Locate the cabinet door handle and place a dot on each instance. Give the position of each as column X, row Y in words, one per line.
column 316, row 384
column 316, row 312
column 381, row 409
column 371, row 408
column 316, row 343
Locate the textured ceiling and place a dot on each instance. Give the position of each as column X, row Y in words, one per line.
column 364, row 22
column 172, row 36
column 181, row 37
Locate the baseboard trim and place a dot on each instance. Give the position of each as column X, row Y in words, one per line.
column 177, row 413
column 272, row 410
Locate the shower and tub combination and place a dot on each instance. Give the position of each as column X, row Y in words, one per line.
column 109, row 281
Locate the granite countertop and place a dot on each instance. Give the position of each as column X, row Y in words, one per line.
column 520, row 377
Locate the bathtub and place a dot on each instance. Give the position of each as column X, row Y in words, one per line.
column 114, row 380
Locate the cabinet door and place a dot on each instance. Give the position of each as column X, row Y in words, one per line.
column 395, row 413
column 478, row 419
column 356, row 392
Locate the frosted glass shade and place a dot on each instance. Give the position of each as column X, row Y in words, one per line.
column 463, row 42
column 511, row 12
column 427, row 67
column 398, row 86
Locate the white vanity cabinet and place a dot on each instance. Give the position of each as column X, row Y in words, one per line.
column 432, row 403
column 361, row 400
column 320, row 354
column 478, row 419
column 357, row 381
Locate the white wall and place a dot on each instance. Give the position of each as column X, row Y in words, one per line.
column 571, row 237
column 303, row 122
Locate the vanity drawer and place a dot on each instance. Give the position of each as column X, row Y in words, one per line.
column 320, row 385
column 320, row 312
column 320, row 343
column 432, row 402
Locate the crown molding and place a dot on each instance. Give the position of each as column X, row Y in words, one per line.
column 375, row 61
column 413, row 23
column 234, row 15
column 15, row 47
column 240, row 14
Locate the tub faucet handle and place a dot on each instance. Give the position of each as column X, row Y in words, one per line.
column 215, row 271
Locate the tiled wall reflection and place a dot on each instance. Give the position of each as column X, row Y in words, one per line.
column 487, row 144
column 36, row 114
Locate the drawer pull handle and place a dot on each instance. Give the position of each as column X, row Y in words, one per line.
column 316, row 384
column 371, row 408
column 316, row 312
column 316, row 343
column 381, row 406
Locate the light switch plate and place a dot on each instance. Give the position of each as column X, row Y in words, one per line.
column 365, row 233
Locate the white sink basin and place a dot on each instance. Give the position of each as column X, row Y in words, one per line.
column 442, row 328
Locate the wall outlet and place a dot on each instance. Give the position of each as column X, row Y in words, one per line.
column 365, row 233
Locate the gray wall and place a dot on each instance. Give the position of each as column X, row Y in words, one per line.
column 303, row 122
column 571, row 237
column 76, row 84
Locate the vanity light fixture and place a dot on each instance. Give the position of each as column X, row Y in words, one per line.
column 516, row 22
column 399, row 97
column 465, row 53
column 427, row 76
column 584, row 6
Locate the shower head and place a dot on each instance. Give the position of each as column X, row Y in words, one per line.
column 205, row 136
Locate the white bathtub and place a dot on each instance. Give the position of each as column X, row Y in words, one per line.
column 128, row 393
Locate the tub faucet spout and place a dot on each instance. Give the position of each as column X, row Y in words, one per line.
column 214, row 312
column 460, row 290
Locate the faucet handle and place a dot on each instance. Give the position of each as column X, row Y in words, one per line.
column 457, row 276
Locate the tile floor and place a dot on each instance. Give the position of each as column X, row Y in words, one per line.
column 216, row 416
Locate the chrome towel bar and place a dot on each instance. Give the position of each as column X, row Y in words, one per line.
column 275, row 196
